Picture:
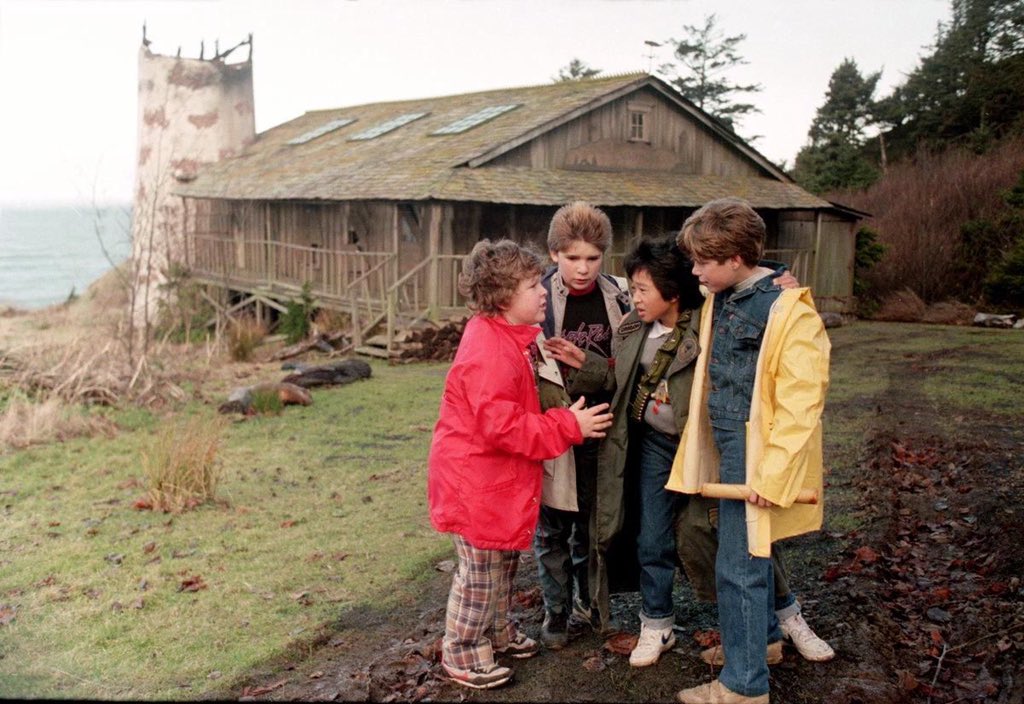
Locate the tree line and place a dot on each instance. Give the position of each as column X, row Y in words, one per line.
column 966, row 93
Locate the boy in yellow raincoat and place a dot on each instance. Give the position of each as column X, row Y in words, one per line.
column 755, row 419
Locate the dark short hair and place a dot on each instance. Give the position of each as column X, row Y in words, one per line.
column 669, row 269
column 491, row 273
column 722, row 229
column 579, row 221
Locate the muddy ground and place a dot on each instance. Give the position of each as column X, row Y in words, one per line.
column 915, row 580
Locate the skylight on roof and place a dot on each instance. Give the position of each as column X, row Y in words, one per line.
column 385, row 127
column 477, row 118
column 321, row 130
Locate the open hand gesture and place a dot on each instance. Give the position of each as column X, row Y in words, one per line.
column 565, row 352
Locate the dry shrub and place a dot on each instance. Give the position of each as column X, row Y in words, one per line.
column 24, row 422
column 919, row 206
column 327, row 321
column 901, row 307
column 949, row 313
column 90, row 370
column 110, row 291
column 181, row 465
column 244, row 336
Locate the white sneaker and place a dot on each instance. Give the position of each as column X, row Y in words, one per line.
column 652, row 643
column 813, row 648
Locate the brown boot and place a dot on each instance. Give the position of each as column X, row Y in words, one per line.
column 716, row 656
column 717, row 693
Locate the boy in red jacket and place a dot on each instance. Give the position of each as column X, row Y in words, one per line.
column 484, row 476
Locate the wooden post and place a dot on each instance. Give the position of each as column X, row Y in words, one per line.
column 389, row 295
column 812, row 281
column 185, row 239
column 433, row 250
column 271, row 254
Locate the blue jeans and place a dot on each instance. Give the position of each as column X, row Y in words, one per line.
column 562, row 541
column 745, row 584
column 656, row 543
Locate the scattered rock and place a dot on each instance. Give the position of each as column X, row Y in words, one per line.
column 240, row 400
column 831, row 320
column 344, row 371
column 990, row 320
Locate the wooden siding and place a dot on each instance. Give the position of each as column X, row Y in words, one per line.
column 599, row 140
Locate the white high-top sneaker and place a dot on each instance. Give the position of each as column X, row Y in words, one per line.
column 652, row 643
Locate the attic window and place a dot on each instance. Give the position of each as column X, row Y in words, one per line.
column 639, row 123
column 385, row 127
column 321, row 130
column 477, row 118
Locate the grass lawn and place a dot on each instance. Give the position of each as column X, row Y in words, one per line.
column 323, row 509
column 311, row 502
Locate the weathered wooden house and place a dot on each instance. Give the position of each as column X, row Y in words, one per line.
column 373, row 205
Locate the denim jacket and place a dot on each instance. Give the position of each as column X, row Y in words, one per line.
column 739, row 319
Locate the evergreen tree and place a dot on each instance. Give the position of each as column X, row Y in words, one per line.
column 834, row 156
column 707, row 55
column 970, row 86
column 575, row 70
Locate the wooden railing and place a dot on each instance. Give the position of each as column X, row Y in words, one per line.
column 368, row 296
column 424, row 291
column 331, row 273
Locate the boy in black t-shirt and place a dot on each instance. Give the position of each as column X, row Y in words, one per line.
column 585, row 307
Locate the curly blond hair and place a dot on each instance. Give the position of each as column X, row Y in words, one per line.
column 722, row 229
column 579, row 221
column 492, row 271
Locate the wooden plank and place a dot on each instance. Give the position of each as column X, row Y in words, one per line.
column 378, row 352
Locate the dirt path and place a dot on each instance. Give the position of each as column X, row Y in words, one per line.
column 916, row 582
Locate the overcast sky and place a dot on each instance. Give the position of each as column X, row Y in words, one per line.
column 68, row 68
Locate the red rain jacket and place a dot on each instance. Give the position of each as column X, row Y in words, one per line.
column 484, row 472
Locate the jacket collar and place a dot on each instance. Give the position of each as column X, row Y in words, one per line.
column 522, row 334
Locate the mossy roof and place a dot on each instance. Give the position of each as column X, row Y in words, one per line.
column 412, row 163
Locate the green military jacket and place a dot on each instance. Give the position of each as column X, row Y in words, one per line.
column 612, row 564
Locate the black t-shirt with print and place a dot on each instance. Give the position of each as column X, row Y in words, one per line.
column 586, row 325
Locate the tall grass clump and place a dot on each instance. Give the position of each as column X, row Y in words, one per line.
column 919, row 208
column 244, row 336
column 181, row 465
column 25, row 422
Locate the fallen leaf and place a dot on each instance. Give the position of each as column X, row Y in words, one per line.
column 149, row 547
column 192, row 584
column 594, row 664
column 287, row 524
column 257, row 691
column 707, row 639
column 621, row 643
column 866, row 554
column 143, row 504
column 316, row 675
column 7, row 613
column 445, row 566
column 908, row 682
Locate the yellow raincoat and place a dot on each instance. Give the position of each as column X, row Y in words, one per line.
column 784, row 429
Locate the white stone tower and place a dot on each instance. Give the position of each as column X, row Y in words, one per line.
column 191, row 112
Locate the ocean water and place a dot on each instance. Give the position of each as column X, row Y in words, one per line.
column 46, row 253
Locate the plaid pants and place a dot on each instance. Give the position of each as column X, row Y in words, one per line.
column 477, row 622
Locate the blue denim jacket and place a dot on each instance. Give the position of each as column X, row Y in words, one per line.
column 740, row 319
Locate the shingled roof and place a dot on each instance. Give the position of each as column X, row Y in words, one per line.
column 412, row 163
